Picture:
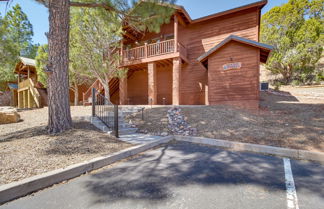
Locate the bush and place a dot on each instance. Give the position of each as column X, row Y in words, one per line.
column 319, row 77
column 277, row 85
column 296, row 83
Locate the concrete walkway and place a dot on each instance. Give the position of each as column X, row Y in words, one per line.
column 183, row 175
column 139, row 138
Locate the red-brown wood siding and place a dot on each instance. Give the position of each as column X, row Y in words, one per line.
column 164, row 85
column 198, row 38
column 137, row 88
column 236, row 86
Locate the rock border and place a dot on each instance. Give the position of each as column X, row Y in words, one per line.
column 255, row 148
column 29, row 185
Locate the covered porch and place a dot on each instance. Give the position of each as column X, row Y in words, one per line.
column 154, row 83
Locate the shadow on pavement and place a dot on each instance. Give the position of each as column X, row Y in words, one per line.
column 153, row 176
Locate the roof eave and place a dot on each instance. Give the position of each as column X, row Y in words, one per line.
column 262, row 46
column 259, row 4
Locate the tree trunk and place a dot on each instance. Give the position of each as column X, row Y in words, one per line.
column 59, row 113
column 107, row 93
column 76, row 95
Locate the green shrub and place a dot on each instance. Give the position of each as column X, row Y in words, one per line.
column 319, row 77
column 296, row 83
column 277, row 85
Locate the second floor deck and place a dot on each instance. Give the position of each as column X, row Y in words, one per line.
column 153, row 52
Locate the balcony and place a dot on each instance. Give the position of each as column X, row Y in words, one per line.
column 153, row 52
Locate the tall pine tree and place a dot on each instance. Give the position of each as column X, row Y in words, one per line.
column 15, row 40
column 58, row 48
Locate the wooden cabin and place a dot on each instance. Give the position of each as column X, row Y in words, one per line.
column 30, row 92
column 207, row 61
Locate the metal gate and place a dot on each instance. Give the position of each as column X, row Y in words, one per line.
column 105, row 111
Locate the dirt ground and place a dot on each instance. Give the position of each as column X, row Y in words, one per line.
column 27, row 150
column 284, row 121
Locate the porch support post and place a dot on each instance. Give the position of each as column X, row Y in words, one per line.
column 29, row 102
column 123, row 91
column 152, row 84
column 19, row 99
column 176, row 81
column 24, row 99
column 176, row 23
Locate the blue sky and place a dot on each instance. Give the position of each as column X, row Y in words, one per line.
column 38, row 14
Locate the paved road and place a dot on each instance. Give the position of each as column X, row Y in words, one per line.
column 183, row 175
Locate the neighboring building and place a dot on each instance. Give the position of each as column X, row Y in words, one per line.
column 28, row 92
column 208, row 61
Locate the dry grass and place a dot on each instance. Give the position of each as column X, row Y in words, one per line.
column 283, row 121
column 27, row 150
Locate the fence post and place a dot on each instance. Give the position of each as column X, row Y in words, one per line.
column 93, row 102
column 145, row 50
column 116, row 121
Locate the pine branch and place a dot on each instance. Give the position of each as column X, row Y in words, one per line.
column 106, row 7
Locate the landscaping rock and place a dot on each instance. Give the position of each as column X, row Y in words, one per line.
column 178, row 125
column 8, row 115
column 164, row 134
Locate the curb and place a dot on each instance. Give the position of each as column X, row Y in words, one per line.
column 261, row 149
column 26, row 186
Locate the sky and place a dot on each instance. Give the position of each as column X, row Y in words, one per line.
column 38, row 14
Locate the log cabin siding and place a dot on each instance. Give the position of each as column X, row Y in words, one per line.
column 234, row 86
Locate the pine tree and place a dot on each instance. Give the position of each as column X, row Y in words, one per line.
column 295, row 29
column 15, row 40
column 58, row 42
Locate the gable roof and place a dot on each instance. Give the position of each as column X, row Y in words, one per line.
column 265, row 48
column 25, row 63
column 186, row 19
column 180, row 9
column 28, row 61
column 259, row 4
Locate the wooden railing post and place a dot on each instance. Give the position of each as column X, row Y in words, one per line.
column 145, row 50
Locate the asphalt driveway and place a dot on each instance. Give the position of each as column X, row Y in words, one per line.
column 183, row 175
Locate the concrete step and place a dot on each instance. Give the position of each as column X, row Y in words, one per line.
column 101, row 126
column 126, row 131
column 120, row 125
column 124, row 128
column 110, row 120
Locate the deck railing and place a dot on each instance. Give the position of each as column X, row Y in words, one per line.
column 151, row 50
column 160, row 48
column 29, row 85
column 23, row 84
column 134, row 53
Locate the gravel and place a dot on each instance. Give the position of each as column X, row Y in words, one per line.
column 178, row 125
column 27, row 150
